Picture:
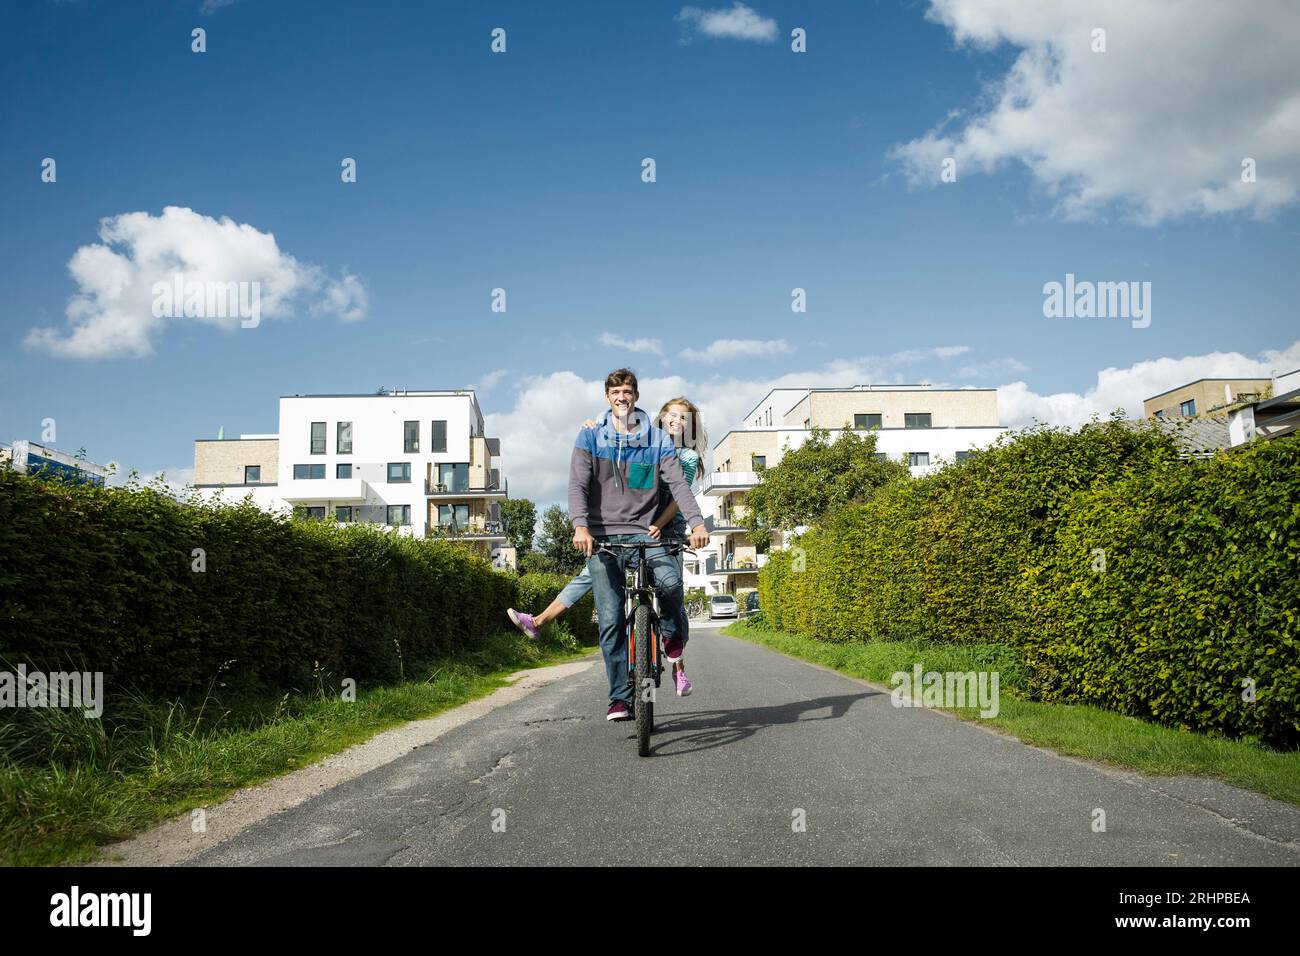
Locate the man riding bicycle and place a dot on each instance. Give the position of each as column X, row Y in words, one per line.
column 613, row 496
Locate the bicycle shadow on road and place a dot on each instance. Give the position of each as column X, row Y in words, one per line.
column 706, row 729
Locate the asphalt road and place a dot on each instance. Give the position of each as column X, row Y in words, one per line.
column 764, row 743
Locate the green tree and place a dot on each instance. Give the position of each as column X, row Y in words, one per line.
column 815, row 480
column 520, row 518
column 555, row 552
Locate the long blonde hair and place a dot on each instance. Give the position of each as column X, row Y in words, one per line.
column 693, row 436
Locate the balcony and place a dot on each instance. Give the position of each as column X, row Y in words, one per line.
column 722, row 482
column 439, row 491
column 473, row 531
column 723, row 524
column 342, row 490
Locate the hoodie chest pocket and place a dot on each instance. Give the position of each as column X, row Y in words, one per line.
column 640, row 475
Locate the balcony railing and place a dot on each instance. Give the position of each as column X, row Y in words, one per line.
column 474, row 529
column 720, row 482
column 452, row 489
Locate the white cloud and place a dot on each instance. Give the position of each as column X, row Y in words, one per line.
column 537, row 433
column 490, row 380
column 724, row 350
column 1156, row 127
column 653, row 346
column 212, row 6
column 175, row 481
column 994, row 368
column 346, row 299
column 1126, row 388
column 111, row 315
column 738, row 23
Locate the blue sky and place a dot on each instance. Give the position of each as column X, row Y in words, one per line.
column 522, row 170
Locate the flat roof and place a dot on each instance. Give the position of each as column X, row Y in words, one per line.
column 398, row 393
column 841, row 428
column 1199, row 380
column 241, row 438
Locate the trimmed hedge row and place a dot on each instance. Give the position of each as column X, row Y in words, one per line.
column 1200, row 589
column 104, row 580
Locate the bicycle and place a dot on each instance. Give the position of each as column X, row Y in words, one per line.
column 645, row 650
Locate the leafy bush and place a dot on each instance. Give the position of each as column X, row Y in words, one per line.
column 1175, row 595
column 103, row 580
column 1200, row 592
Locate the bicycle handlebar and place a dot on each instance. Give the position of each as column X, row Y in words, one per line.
column 673, row 544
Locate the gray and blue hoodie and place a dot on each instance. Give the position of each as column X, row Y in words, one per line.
column 614, row 477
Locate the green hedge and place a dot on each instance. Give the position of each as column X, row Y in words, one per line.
column 1200, row 592
column 101, row 580
column 1200, row 589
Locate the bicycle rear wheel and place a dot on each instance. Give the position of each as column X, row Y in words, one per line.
column 644, row 679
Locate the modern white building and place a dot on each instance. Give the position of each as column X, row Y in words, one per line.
column 920, row 426
column 416, row 461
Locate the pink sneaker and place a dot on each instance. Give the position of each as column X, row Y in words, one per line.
column 683, row 683
column 523, row 621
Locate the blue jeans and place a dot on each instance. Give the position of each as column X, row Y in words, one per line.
column 607, row 575
column 575, row 590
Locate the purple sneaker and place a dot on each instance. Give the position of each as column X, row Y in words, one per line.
column 683, row 684
column 523, row 621
column 673, row 647
column 618, row 711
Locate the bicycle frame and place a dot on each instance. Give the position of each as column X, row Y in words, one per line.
column 642, row 591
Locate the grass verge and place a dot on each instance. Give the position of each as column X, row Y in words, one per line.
column 1074, row 729
column 69, row 785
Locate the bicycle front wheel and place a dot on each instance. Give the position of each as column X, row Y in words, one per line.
column 643, row 673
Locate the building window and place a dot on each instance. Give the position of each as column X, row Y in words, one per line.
column 308, row 472
column 343, row 513
column 870, row 420
column 916, row 420
column 915, row 458
column 252, row 474
column 313, row 511
column 759, row 462
column 318, row 438
column 343, row 470
column 399, row 515
column 453, row 516
column 1188, row 408
column 453, row 476
column 882, row 456
column 411, row 437
column 1160, row 413
column 343, row 439
column 965, row 455
column 399, row 473
column 439, row 439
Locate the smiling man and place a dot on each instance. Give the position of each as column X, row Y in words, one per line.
column 613, row 496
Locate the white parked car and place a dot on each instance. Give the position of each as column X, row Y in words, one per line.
column 722, row 605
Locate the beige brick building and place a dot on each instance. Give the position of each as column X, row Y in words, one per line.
column 1206, row 395
column 920, row 426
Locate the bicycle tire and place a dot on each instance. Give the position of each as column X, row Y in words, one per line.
column 643, row 679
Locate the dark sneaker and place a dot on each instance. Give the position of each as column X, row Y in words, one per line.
column 673, row 648
column 618, row 711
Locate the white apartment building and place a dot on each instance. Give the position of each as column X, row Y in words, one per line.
column 920, row 426
column 416, row 461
